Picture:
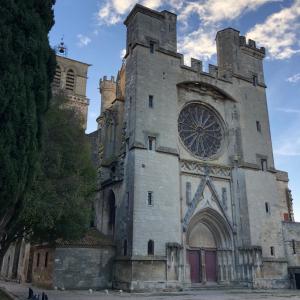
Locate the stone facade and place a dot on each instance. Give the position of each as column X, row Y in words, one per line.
column 188, row 187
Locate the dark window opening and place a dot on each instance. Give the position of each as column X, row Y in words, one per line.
column 267, row 207
column 258, row 126
column 263, row 164
column 125, row 248
column 254, row 80
column 294, row 246
column 272, row 251
column 38, row 260
column 150, row 198
column 150, row 101
column 111, row 210
column 46, row 259
column 151, row 47
column 150, row 247
column 151, row 143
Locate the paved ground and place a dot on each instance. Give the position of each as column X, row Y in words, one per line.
column 20, row 292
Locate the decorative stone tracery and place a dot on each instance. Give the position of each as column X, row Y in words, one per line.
column 200, row 130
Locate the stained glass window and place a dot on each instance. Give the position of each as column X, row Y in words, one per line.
column 200, row 130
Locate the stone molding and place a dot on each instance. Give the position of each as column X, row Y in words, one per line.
column 194, row 167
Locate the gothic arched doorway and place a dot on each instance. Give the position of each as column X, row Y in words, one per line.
column 209, row 247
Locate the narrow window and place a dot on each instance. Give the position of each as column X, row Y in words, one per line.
column 46, row 259
column 150, row 101
column 150, row 198
column 188, row 192
column 254, row 80
column 258, row 126
column 267, row 207
column 151, row 143
column 263, row 163
column 125, row 248
column 57, row 77
column 272, row 251
column 150, row 247
column 127, row 200
column 294, row 246
column 70, row 80
column 38, row 260
column 151, row 47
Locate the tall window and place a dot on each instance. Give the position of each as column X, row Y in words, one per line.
column 151, row 47
column 151, row 143
column 294, row 246
column 125, row 248
column 272, row 251
column 57, row 77
column 150, row 101
column 254, row 80
column 263, row 164
column 46, row 259
column 150, row 247
column 70, row 80
column 258, row 126
column 150, row 198
column 267, row 207
column 38, row 260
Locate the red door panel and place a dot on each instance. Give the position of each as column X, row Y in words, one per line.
column 194, row 261
column 210, row 265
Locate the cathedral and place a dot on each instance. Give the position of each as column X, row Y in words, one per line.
column 188, row 188
column 188, row 193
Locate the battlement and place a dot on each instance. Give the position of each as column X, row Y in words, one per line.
column 106, row 80
column 197, row 66
column 251, row 44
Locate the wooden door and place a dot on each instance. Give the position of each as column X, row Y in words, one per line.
column 211, row 265
column 194, row 261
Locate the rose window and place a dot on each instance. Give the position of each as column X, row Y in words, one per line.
column 200, row 130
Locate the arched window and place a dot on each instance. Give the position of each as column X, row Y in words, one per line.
column 70, row 80
column 150, row 247
column 57, row 77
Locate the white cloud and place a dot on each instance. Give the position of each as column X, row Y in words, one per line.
column 83, row 40
column 199, row 43
column 280, row 32
column 288, row 110
column 214, row 11
column 293, row 79
column 122, row 53
column 289, row 147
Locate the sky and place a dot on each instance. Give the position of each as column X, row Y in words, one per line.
column 94, row 33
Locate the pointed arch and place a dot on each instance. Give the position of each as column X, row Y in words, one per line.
column 216, row 224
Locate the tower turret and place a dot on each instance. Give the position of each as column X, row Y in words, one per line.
column 107, row 91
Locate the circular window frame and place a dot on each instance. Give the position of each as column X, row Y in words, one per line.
column 222, row 125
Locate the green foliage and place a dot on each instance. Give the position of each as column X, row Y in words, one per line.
column 27, row 66
column 59, row 205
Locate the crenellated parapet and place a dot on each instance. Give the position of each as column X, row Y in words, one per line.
column 251, row 46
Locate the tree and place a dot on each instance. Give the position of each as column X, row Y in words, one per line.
column 59, row 205
column 27, row 66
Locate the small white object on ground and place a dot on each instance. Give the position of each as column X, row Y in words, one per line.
column 106, row 292
column 90, row 291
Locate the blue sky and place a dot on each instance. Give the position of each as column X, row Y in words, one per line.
column 94, row 33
